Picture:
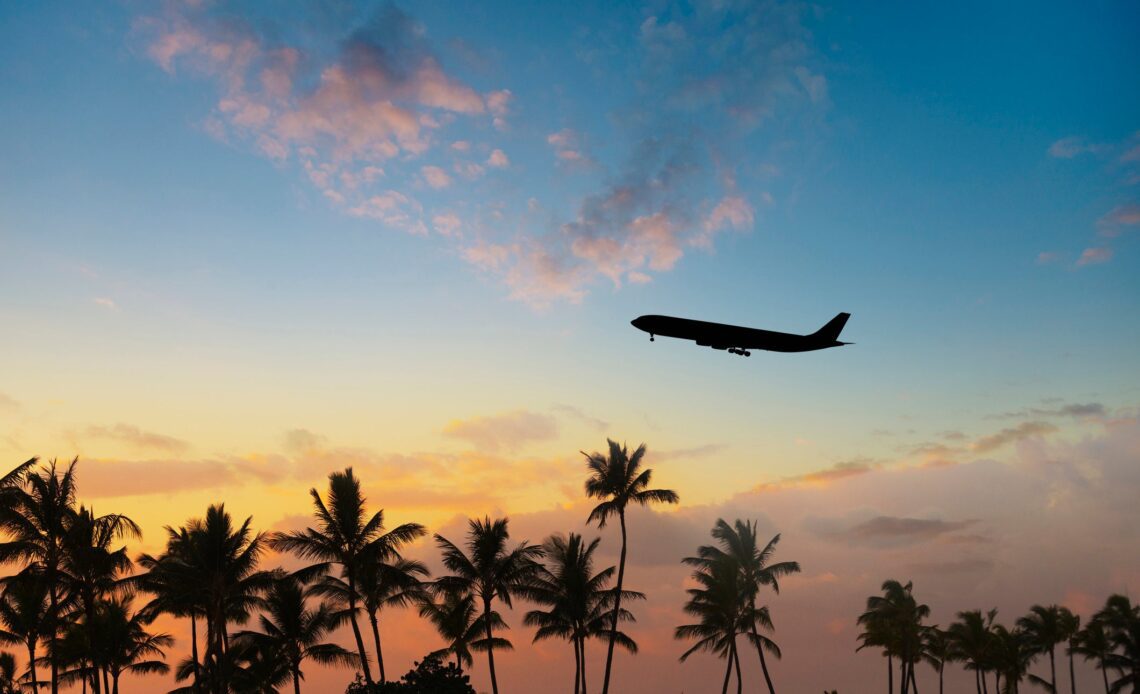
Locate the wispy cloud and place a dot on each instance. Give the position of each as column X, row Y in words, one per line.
column 135, row 437
column 1096, row 255
column 508, row 431
column 1074, row 146
column 1010, row 435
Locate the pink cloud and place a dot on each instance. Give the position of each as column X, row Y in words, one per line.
column 1094, row 256
column 1112, row 224
column 1074, row 146
column 435, row 177
column 498, row 159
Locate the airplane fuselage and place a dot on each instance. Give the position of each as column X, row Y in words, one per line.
column 738, row 338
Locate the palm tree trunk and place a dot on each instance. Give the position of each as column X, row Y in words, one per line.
column 106, row 680
column 1104, row 672
column 54, row 630
column 890, row 675
column 356, row 625
column 913, row 681
column 997, row 681
column 941, row 667
column 727, row 675
column 582, row 639
column 577, row 666
column 31, row 664
column 490, row 644
column 1072, row 672
column 296, row 680
column 978, row 681
column 985, row 687
column 617, row 605
column 736, row 659
column 1053, row 668
column 115, row 679
column 194, row 652
column 904, row 681
column 763, row 664
column 376, row 642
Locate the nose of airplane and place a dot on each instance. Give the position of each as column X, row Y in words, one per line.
column 635, row 322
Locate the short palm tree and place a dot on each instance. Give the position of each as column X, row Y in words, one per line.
column 1093, row 643
column 1045, row 627
column 489, row 569
column 740, row 541
column 346, row 535
column 293, row 632
column 123, row 643
column 619, row 480
column 893, row 621
column 8, row 683
column 972, row 639
column 718, row 604
column 937, row 650
column 23, row 617
column 1014, row 652
column 1121, row 623
column 577, row 599
column 456, row 617
column 380, row 585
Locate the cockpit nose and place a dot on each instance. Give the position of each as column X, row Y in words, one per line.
column 636, row 322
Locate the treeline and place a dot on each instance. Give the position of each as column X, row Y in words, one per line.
column 83, row 610
column 894, row 623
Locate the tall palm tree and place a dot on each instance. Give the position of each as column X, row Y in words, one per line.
column 489, row 569
column 577, row 598
column 35, row 517
column 740, row 542
column 1121, row 620
column 1014, row 652
column 1093, row 643
column 619, row 479
column 346, row 535
column 380, row 584
column 717, row 604
column 294, row 632
column 895, row 624
column 972, row 637
column 1045, row 627
column 23, row 617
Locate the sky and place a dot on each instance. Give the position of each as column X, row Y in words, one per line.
column 246, row 244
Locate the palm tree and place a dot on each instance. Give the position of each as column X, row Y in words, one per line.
column 91, row 569
column 1014, row 651
column 23, row 615
column 718, row 606
column 619, row 479
column 124, row 645
column 380, row 584
column 1070, row 627
column 36, row 518
column 1045, row 627
column 8, row 683
column 489, row 570
column 174, row 582
column 578, row 599
column 457, row 619
column 972, row 638
column 293, row 632
column 1121, row 622
column 937, row 650
column 739, row 541
column 1093, row 642
column 893, row 621
column 346, row 535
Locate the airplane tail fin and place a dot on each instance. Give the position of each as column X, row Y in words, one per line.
column 833, row 328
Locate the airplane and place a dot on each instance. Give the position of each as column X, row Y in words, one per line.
column 737, row 339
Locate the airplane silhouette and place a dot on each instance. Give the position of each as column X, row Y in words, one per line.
column 739, row 340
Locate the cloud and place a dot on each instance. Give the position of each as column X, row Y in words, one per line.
column 1113, row 223
column 119, row 478
column 510, row 430
column 1048, row 257
column 1074, row 146
column 894, row 531
column 1094, row 256
column 135, row 437
column 106, row 303
column 447, row 224
column 435, row 177
column 498, row 159
column 1006, row 436
column 732, row 212
column 568, row 148
column 7, row 404
column 579, row 415
column 378, row 98
column 1079, row 410
column 691, row 453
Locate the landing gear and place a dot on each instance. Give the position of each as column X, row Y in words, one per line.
column 651, row 338
column 741, row 352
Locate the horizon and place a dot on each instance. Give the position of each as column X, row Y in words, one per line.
column 245, row 246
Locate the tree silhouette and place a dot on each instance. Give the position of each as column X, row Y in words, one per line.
column 739, row 541
column 972, row 638
column 293, row 632
column 619, row 479
column 1093, row 643
column 1121, row 623
column 578, row 600
column 718, row 605
column 122, row 643
column 893, row 622
column 458, row 621
column 489, row 570
column 8, row 684
column 346, row 535
column 1045, row 627
column 937, row 650
column 23, row 614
